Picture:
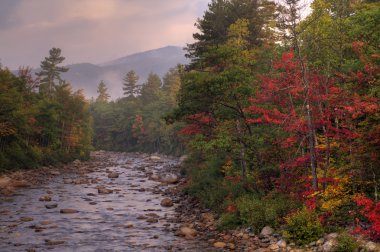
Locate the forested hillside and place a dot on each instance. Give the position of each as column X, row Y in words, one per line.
column 282, row 116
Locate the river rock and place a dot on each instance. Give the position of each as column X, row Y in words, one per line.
column 281, row 243
column 166, row 202
column 26, row 219
column 51, row 243
column 103, row 190
column 188, row 232
column 152, row 220
column 170, row 179
column 154, row 158
column 113, row 175
column 45, row 198
column 220, row 244
column 266, row 231
column 371, row 246
column 51, row 206
column 68, row 211
column 329, row 245
column 274, row 247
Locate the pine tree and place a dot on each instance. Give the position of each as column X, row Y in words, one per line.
column 102, row 91
column 50, row 71
column 130, row 83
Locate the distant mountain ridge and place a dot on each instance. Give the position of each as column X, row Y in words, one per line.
column 87, row 76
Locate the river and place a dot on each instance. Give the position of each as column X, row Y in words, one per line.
column 102, row 213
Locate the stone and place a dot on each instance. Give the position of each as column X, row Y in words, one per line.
column 68, row 211
column 55, row 173
column 166, row 202
column 274, row 247
column 331, row 236
column 113, row 175
column 103, row 190
column 320, row 241
column 45, row 198
column 231, row 246
column 20, row 183
column 170, row 179
column 129, row 225
column 220, row 244
column 371, row 246
column 266, row 231
column 45, row 222
column 329, row 245
column 154, row 158
column 51, row 243
column 26, row 219
column 51, row 206
column 154, row 177
column 282, row 243
column 152, row 220
column 188, row 232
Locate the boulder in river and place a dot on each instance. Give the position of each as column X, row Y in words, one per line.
column 219, row 244
column 166, row 202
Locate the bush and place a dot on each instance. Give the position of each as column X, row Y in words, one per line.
column 346, row 243
column 228, row 221
column 303, row 227
column 259, row 212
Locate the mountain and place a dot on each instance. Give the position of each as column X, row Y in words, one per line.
column 87, row 76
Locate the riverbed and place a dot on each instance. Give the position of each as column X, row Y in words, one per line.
column 111, row 203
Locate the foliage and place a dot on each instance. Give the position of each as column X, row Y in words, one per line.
column 135, row 122
column 346, row 243
column 371, row 211
column 42, row 128
column 257, row 212
column 228, row 221
column 303, row 227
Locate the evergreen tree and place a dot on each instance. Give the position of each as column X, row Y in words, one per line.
column 50, row 71
column 130, row 84
column 151, row 89
column 102, row 91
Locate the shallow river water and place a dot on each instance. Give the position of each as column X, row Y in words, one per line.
column 104, row 222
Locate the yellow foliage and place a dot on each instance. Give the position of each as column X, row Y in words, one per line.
column 336, row 195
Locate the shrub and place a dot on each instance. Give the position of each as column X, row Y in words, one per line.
column 228, row 221
column 303, row 227
column 346, row 243
column 259, row 212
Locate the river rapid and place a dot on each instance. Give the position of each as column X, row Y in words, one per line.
column 110, row 203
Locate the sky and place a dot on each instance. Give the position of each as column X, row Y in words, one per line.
column 94, row 31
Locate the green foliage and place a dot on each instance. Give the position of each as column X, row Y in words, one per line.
column 303, row 227
column 258, row 212
column 135, row 123
column 228, row 221
column 346, row 242
column 42, row 128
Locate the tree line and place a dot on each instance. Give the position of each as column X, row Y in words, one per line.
column 42, row 120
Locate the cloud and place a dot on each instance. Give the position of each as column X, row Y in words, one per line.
column 92, row 30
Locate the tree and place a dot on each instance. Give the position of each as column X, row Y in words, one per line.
column 102, row 91
column 218, row 18
column 130, row 84
column 150, row 91
column 50, row 71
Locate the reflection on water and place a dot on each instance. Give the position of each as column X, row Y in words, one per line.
column 105, row 222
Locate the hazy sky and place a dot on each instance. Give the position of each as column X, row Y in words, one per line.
column 92, row 30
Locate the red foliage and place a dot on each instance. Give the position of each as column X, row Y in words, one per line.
column 371, row 211
column 197, row 124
